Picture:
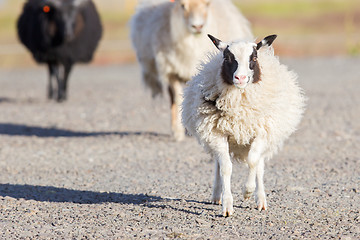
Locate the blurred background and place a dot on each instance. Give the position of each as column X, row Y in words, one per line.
column 306, row 28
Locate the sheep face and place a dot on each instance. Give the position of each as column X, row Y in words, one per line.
column 66, row 15
column 240, row 66
column 194, row 13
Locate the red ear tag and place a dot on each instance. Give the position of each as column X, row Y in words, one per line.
column 46, row 9
column 172, row 0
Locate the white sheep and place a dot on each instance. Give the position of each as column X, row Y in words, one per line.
column 169, row 38
column 241, row 106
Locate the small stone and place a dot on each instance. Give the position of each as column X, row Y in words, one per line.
column 270, row 224
column 200, row 221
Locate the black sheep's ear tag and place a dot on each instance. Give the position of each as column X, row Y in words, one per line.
column 46, row 9
column 267, row 41
column 218, row 43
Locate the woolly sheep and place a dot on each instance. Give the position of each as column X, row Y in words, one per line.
column 60, row 33
column 169, row 38
column 241, row 106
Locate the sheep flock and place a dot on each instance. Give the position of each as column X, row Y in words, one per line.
column 226, row 89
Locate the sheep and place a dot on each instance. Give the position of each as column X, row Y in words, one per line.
column 60, row 33
column 241, row 106
column 169, row 38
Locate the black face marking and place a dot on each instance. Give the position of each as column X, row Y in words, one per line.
column 254, row 65
column 253, row 59
column 229, row 66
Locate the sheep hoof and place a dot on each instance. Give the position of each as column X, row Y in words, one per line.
column 247, row 194
column 262, row 205
column 227, row 207
column 61, row 98
column 50, row 95
column 228, row 212
column 216, row 201
column 179, row 136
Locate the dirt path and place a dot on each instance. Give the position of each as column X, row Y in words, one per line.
column 102, row 165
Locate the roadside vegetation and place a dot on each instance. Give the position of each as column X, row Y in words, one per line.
column 305, row 28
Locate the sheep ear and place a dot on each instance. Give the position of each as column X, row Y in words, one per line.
column 54, row 3
column 266, row 41
column 218, row 43
column 78, row 3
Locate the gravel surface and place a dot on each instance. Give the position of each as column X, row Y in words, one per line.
column 103, row 164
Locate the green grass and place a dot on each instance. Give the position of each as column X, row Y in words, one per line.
column 295, row 8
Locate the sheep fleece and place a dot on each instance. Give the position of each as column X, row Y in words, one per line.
column 271, row 108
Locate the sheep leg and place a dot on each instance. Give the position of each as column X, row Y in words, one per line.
column 64, row 70
column 216, row 195
column 255, row 163
column 260, row 196
column 222, row 156
column 150, row 76
column 52, row 80
column 60, row 73
column 67, row 69
column 250, row 184
column 176, row 91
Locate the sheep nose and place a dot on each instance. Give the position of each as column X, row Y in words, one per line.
column 69, row 36
column 198, row 28
column 241, row 79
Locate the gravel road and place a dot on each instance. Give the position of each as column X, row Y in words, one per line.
column 103, row 164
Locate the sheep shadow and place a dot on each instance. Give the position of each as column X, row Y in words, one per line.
column 6, row 100
column 64, row 195
column 44, row 132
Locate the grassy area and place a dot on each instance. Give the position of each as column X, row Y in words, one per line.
column 296, row 8
column 305, row 28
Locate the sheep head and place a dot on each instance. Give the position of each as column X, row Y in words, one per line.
column 194, row 13
column 240, row 64
column 67, row 12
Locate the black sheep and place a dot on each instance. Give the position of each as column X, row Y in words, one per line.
column 60, row 33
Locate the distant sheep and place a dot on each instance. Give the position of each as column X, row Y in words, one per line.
column 242, row 106
column 60, row 33
column 170, row 40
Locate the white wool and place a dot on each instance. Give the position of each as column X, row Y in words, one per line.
column 169, row 45
column 164, row 45
column 271, row 108
column 248, row 124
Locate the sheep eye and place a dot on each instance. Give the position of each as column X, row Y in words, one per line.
column 254, row 59
column 183, row 6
